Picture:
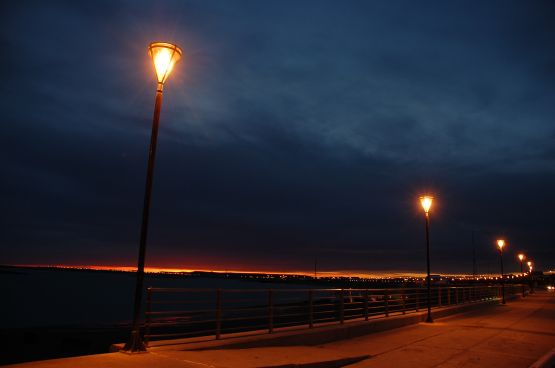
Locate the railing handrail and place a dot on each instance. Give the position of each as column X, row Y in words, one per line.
column 211, row 311
column 178, row 290
column 186, row 290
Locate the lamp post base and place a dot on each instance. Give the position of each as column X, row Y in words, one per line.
column 135, row 344
column 429, row 319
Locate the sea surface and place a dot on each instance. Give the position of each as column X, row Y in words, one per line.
column 47, row 297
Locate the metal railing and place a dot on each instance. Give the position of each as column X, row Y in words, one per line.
column 179, row 313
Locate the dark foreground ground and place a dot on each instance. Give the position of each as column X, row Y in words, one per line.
column 27, row 344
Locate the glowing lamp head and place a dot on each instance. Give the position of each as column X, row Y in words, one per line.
column 529, row 263
column 521, row 257
column 164, row 56
column 426, row 202
column 500, row 244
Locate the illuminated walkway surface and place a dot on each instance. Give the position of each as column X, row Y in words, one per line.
column 515, row 335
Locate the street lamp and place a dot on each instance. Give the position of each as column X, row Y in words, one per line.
column 530, row 277
column 521, row 257
column 500, row 245
column 164, row 56
column 426, row 202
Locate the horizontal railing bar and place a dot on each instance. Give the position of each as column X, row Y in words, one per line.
column 288, row 307
column 177, row 313
column 346, row 291
column 251, row 328
column 211, row 331
column 160, row 324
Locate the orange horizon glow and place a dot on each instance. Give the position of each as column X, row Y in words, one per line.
column 320, row 274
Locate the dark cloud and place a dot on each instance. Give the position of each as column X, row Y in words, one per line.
column 291, row 130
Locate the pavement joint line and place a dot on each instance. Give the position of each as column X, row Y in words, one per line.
column 508, row 329
column 545, row 361
column 407, row 344
column 489, row 337
column 183, row 360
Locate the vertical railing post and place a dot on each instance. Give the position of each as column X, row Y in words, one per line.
column 147, row 319
column 310, row 309
column 403, row 300
column 366, row 297
column 341, row 307
column 456, row 295
column 270, row 311
column 417, row 300
column 448, row 295
column 439, row 296
column 218, row 313
column 386, row 302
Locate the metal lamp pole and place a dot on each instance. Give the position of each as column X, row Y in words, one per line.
column 530, row 277
column 426, row 202
column 521, row 258
column 501, row 244
column 164, row 56
column 429, row 318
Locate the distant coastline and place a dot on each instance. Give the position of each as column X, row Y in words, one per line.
column 325, row 277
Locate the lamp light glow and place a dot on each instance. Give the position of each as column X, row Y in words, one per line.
column 500, row 244
column 521, row 257
column 529, row 263
column 164, row 56
column 426, row 202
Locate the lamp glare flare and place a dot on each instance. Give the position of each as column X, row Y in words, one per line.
column 521, row 257
column 164, row 56
column 426, row 202
column 500, row 244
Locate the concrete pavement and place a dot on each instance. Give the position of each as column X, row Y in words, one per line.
column 514, row 335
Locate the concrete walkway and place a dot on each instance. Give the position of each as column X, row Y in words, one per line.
column 514, row 335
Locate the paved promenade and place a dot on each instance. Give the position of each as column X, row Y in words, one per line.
column 514, row 335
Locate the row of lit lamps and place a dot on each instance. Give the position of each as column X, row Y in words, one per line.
column 426, row 202
column 164, row 56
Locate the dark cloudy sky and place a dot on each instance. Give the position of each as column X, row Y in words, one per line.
column 291, row 130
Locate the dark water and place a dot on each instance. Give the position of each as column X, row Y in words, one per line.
column 46, row 297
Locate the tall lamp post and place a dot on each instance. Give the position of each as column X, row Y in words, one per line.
column 529, row 263
column 500, row 245
column 521, row 258
column 164, row 56
column 426, row 202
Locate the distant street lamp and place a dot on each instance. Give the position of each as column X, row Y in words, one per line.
column 500, row 245
column 521, row 257
column 530, row 277
column 426, row 202
column 164, row 56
